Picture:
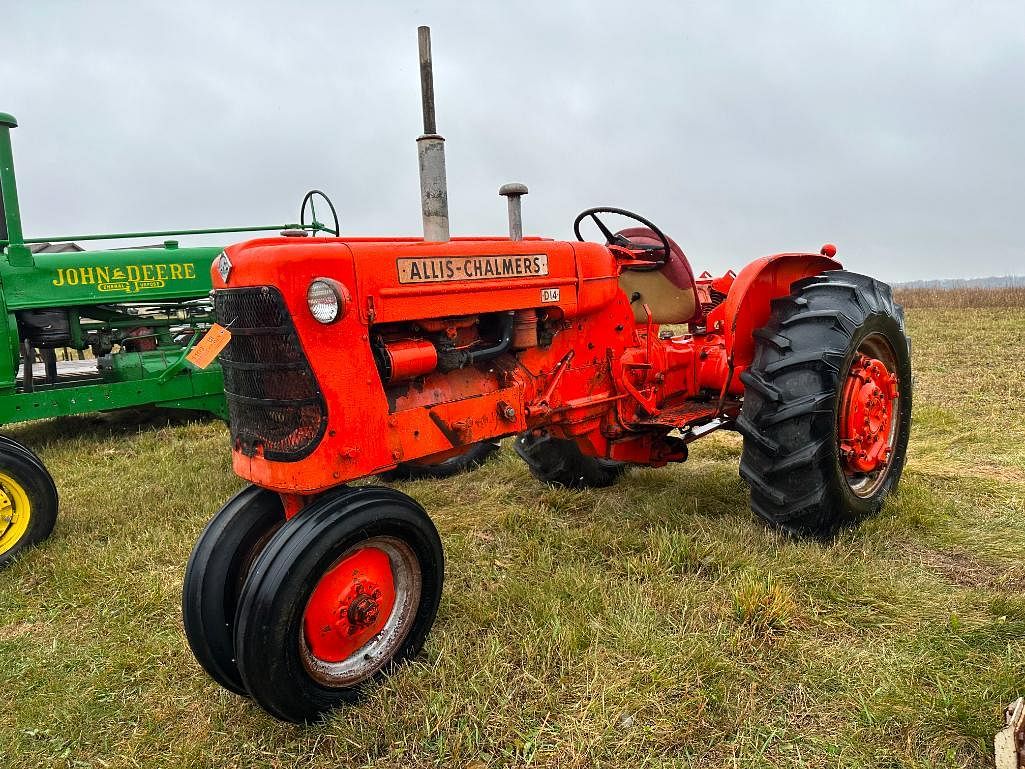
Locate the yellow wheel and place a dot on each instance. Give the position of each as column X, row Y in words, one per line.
column 15, row 512
column 28, row 500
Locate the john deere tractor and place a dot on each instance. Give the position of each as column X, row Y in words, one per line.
column 128, row 317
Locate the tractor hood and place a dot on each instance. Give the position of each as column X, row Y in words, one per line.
column 99, row 277
column 401, row 279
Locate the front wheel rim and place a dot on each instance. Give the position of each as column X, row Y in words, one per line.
column 360, row 612
column 868, row 417
column 15, row 512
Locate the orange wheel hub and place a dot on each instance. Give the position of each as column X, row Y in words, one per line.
column 350, row 605
column 868, row 407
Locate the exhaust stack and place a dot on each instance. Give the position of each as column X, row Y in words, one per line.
column 431, row 151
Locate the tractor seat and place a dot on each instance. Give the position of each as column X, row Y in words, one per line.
column 668, row 291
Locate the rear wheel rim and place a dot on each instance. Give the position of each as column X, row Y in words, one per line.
column 868, row 423
column 15, row 512
column 360, row 612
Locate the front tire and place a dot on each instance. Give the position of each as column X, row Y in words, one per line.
column 827, row 405
column 217, row 568
column 344, row 592
column 28, row 500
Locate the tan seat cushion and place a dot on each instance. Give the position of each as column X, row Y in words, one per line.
column 668, row 302
column 668, row 292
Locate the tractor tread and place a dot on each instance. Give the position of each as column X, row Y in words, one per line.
column 801, row 360
column 778, row 341
column 790, row 458
column 756, row 382
column 800, row 518
column 799, row 458
column 801, row 407
column 837, row 316
column 758, row 484
column 751, row 433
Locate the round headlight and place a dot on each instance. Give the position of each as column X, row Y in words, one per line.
column 325, row 300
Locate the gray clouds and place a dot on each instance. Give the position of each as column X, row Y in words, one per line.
column 893, row 129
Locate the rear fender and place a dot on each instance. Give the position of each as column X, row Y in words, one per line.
column 748, row 304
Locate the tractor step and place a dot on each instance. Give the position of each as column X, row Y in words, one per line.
column 679, row 415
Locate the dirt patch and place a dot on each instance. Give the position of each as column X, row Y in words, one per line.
column 968, row 571
column 22, row 630
column 945, row 469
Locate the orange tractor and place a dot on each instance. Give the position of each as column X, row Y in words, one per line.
column 349, row 356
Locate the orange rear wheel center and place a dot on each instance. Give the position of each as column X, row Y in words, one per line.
column 350, row 605
column 867, row 408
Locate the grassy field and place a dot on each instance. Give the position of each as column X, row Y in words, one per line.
column 651, row 624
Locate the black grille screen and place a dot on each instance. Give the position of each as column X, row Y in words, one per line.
column 274, row 402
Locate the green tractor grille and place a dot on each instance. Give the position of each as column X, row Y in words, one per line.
column 274, row 402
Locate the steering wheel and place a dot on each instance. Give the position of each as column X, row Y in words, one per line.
column 640, row 256
column 314, row 225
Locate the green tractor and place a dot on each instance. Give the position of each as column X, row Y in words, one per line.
column 133, row 315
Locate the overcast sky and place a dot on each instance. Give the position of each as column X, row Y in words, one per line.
column 895, row 129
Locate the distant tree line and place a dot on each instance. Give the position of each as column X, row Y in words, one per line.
column 1002, row 281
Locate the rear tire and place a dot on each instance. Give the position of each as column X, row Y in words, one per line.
column 561, row 462
column 795, row 458
column 347, row 590
column 473, row 458
column 218, row 566
column 28, row 500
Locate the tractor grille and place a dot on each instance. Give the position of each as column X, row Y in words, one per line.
column 274, row 402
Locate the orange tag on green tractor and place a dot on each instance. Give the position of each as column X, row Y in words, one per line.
column 209, row 347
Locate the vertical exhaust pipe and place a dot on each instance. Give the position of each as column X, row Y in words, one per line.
column 11, row 238
column 431, row 151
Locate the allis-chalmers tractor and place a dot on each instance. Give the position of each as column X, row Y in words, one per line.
column 348, row 356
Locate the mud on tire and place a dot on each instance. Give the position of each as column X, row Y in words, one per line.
column 790, row 418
